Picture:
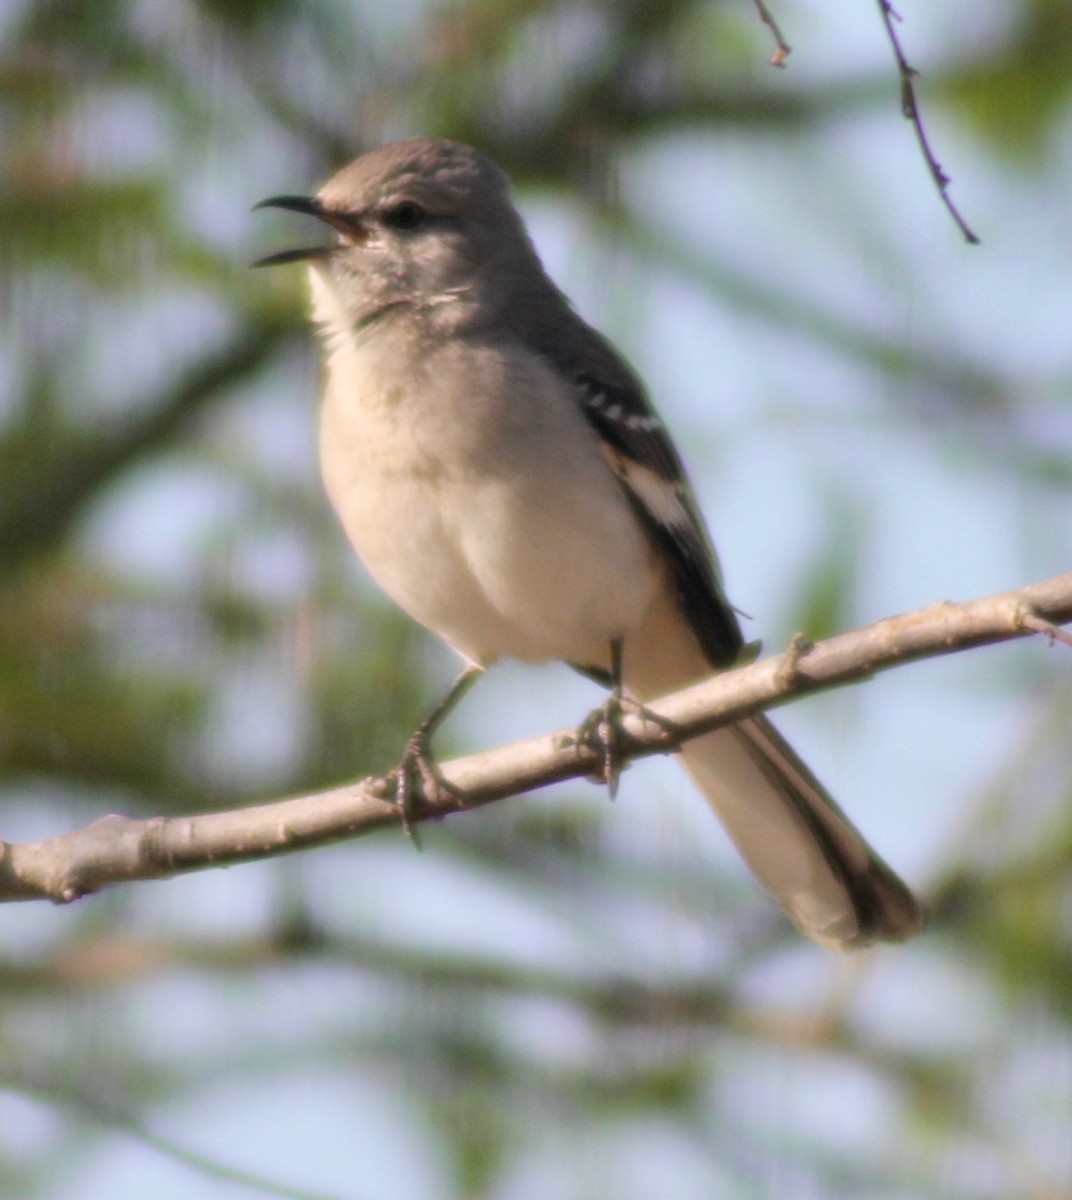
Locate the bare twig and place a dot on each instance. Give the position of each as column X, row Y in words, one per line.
column 118, row 849
column 910, row 110
column 1052, row 633
column 783, row 48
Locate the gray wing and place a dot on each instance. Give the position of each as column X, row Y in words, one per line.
column 652, row 475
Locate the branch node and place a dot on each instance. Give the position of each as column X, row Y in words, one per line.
column 788, row 671
column 380, row 787
column 1026, row 619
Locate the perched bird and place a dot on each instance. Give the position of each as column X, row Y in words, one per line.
column 500, row 471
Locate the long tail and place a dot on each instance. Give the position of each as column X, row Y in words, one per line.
column 796, row 840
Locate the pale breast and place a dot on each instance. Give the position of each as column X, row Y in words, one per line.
column 474, row 492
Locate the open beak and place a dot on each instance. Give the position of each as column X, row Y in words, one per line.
column 349, row 227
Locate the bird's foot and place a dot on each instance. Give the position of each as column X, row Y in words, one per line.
column 417, row 781
column 417, row 778
column 602, row 732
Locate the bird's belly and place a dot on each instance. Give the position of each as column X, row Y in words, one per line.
column 499, row 565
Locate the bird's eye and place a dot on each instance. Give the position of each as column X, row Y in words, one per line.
column 405, row 215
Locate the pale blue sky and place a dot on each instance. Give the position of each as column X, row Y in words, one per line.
column 772, row 426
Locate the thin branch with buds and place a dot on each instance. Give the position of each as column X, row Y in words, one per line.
column 782, row 47
column 910, row 110
column 118, row 849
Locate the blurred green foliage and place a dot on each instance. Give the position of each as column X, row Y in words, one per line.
column 180, row 627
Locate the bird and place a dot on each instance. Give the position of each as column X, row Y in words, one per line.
column 500, row 470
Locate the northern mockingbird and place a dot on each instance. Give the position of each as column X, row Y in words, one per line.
column 500, row 471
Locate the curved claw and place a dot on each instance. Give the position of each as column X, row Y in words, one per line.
column 418, row 779
column 602, row 728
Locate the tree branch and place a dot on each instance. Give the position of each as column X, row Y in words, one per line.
column 782, row 47
column 911, row 113
column 116, row 849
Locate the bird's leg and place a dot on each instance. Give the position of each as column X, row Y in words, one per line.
column 417, row 774
column 603, row 725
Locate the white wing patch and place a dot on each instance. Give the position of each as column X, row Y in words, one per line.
column 637, row 422
column 663, row 499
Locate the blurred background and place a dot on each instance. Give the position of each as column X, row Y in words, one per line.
column 560, row 996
